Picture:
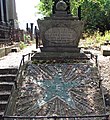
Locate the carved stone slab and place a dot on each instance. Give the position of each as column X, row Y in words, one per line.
column 60, row 36
column 60, row 32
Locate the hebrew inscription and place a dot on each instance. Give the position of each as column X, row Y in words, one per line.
column 60, row 35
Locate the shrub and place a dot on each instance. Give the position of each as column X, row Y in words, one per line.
column 22, row 45
column 94, row 40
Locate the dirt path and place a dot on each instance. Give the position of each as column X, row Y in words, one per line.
column 104, row 67
column 13, row 59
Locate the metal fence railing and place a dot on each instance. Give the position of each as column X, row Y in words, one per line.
column 93, row 57
column 25, row 58
column 87, row 117
column 10, row 105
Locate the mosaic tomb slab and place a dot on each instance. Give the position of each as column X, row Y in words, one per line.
column 63, row 89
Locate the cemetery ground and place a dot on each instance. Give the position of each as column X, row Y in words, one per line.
column 13, row 60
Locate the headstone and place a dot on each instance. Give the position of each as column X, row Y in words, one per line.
column 31, row 32
column 36, row 36
column 5, row 9
column 27, row 27
column 61, row 31
column 1, row 11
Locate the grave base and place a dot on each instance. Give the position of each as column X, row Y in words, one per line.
column 59, row 56
column 60, row 49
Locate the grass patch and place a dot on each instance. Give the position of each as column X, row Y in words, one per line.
column 22, row 45
column 94, row 40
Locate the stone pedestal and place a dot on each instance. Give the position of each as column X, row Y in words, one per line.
column 60, row 38
column 60, row 33
column 60, row 56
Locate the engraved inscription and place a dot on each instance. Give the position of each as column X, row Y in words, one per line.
column 60, row 35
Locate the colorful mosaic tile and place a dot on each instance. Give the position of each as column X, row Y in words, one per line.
column 60, row 89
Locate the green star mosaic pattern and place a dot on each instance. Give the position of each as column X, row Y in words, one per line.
column 61, row 89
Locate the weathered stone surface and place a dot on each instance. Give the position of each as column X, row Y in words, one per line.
column 60, row 32
column 59, row 55
column 61, row 29
column 60, row 36
column 44, row 85
column 7, row 81
column 105, row 50
column 2, row 52
column 60, row 49
column 6, row 50
column 61, row 6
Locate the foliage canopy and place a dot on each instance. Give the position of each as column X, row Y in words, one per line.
column 95, row 13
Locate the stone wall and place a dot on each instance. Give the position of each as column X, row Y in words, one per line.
column 2, row 52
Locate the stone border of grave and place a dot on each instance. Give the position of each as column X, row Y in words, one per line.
column 6, row 50
column 105, row 50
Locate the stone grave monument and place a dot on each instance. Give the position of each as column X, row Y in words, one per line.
column 60, row 80
column 60, row 33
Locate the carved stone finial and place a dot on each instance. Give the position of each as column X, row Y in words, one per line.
column 61, row 6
